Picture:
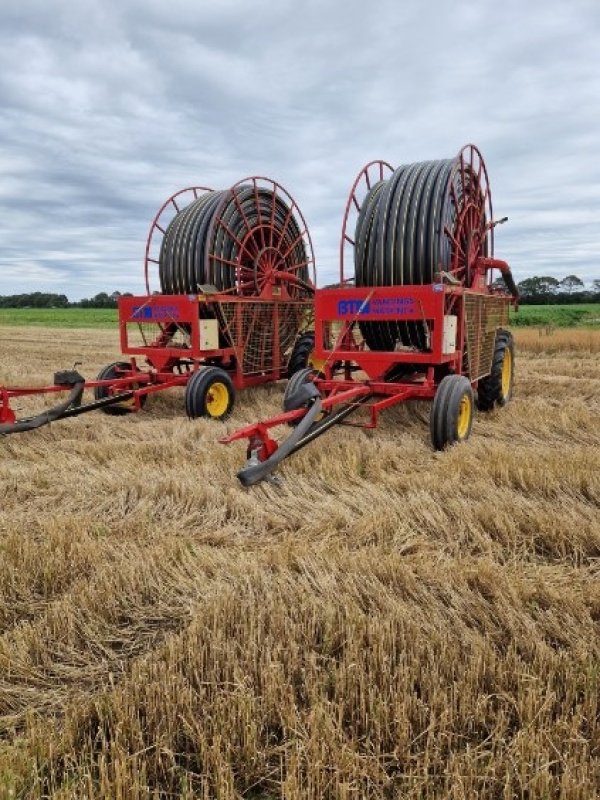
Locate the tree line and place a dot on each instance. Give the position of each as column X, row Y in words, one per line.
column 49, row 300
column 538, row 290
column 546, row 290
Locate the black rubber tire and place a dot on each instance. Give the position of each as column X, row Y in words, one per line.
column 197, row 393
column 301, row 352
column 298, row 378
column 489, row 389
column 445, row 411
column 112, row 371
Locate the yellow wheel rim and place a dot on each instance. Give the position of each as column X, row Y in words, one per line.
column 317, row 364
column 464, row 416
column 131, row 402
column 217, row 399
column 506, row 373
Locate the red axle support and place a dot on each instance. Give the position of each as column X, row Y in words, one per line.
column 258, row 434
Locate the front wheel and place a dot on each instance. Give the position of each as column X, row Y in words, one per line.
column 209, row 393
column 451, row 412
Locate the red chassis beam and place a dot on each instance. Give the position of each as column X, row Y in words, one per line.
column 337, row 393
column 135, row 383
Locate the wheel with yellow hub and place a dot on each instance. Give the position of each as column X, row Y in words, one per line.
column 452, row 412
column 497, row 387
column 303, row 354
column 209, row 393
column 293, row 398
column 110, row 373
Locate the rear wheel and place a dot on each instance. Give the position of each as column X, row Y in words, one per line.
column 497, row 387
column 295, row 382
column 451, row 412
column 209, row 393
column 302, row 354
column 113, row 372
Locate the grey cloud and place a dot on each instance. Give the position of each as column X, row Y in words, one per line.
column 106, row 108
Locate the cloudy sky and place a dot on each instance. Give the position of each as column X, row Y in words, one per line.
column 109, row 106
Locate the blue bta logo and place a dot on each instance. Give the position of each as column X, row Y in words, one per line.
column 381, row 306
column 352, row 307
column 155, row 312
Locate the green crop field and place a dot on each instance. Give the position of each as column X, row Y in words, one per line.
column 562, row 316
column 60, row 317
column 583, row 315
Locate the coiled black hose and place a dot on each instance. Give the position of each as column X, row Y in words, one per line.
column 236, row 240
column 402, row 237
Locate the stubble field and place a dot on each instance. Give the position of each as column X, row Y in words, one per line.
column 389, row 623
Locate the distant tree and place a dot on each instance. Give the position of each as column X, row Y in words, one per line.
column 571, row 282
column 100, row 300
column 34, row 300
column 538, row 286
column 596, row 285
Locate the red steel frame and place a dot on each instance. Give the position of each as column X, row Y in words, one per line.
column 184, row 310
column 171, row 366
column 340, row 356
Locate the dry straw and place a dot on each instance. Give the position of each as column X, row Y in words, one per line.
column 390, row 623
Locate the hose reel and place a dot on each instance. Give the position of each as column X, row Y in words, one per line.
column 250, row 240
column 421, row 222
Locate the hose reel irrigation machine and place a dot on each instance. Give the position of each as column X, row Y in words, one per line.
column 236, row 273
column 420, row 318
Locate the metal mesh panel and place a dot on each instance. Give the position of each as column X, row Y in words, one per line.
column 484, row 314
column 262, row 330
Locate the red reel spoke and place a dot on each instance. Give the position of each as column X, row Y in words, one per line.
column 240, row 244
column 241, row 210
column 260, row 222
column 362, row 185
column 288, row 218
column 294, row 244
column 262, row 243
column 160, row 224
column 471, row 196
column 272, row 222
column 300, row 265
